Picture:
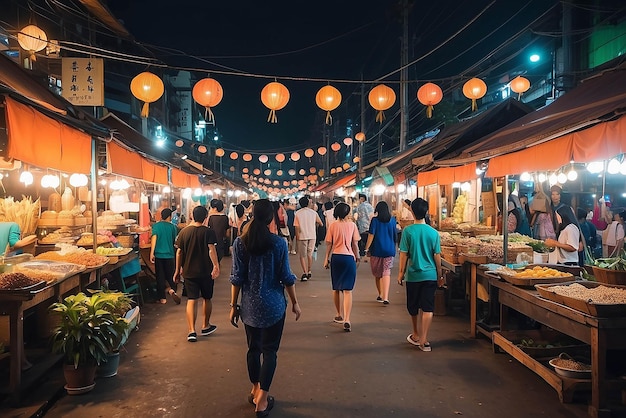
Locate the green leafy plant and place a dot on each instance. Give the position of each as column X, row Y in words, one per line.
column 538, row 246
column 88, row 328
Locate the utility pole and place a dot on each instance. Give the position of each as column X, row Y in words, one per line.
column 404, row 88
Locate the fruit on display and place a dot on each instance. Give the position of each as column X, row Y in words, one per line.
column 459, row 208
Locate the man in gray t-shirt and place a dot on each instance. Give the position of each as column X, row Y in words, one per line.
column 364, row 212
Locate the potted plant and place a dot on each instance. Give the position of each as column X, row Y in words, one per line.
column 86, row 333
column 119, row 305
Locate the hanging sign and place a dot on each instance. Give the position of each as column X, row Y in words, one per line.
column 83, row 81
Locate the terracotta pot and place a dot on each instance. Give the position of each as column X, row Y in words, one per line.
column 79, row 380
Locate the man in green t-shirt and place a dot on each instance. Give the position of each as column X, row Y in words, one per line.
column 420, row 268
column 163, row 255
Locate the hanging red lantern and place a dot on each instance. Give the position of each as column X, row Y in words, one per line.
column 295, row 156
column 321, row 151
column 520, row 85
column 280, row 157
column 335, row 146
column 247, row 157
column 474, row 89
column 147, row 88
column 328, row 98
column 208, row 93
column 429, row 95
column 381, row 98
column 274, row 96
column 360, row 136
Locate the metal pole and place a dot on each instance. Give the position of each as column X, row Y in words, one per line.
column 505, row 213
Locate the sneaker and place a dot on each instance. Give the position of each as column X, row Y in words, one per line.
column 192, row 337
column 308, row 275
column 347, row 327
column 379, row 299
column 175, row 298
column 304, row 277
column 425, row 347
column 385, row 302
column 338, row 319
column 208, row 331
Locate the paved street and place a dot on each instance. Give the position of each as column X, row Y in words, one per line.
column 322, row 370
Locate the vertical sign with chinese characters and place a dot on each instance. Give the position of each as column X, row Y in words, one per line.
column 83, row 81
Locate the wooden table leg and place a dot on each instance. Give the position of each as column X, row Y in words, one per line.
column 598, row 373
column 473, row 292
column 16, row 318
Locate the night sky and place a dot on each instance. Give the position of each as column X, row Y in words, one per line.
column 336, row 40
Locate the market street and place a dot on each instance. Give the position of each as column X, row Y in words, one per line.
column 322, row 370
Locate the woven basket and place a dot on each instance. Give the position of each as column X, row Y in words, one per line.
column 126, row 241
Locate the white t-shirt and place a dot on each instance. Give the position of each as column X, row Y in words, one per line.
column 328, row 214
column 305, row 218
column 571, row 236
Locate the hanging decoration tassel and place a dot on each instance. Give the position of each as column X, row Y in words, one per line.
column 380, row 116
column 474, row 105
column 145, row 110
column 208, row 116
column 329, row 119
column 429, row 111
column 32, row 57
column 272, row 117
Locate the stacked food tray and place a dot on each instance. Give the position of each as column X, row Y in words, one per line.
column 592, row 298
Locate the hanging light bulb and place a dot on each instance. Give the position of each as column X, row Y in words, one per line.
column 595, row 167
column 525, row 176
column 541, row 178
column 561, row 178
column 401, row 188
column 75, row 180
column 614, row 166
column 622, row 168
column 553, row 179
column 167, row 189
column 466, row 187
column 26, row 177
column 572, row 175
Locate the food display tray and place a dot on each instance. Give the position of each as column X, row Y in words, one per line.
column 60, row 270
column 571, row 373
column 24, row 290
column 531, row 281
column 594, row 309
column 120, row 253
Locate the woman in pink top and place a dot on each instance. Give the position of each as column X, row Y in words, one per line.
column 341, row 240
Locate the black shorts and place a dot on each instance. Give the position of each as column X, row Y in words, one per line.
column 420, row 295
column 199, row 287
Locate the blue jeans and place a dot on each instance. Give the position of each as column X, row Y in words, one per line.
column 263, row 341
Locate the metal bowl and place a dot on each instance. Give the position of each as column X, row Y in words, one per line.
column 571, row 373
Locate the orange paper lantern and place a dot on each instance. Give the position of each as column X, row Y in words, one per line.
column 263, row 158
column 321, row 150
column 208, row 93
column 147, row 88
column 520, row 85
column 381, row 98
column 474, row 89
column 302, row 172
column 328, row 98
column 274, row 96
column 234, row 155
column 429, row 95
column 308, row 153
column 247, row 157
column 32, row 39
column 219, row 152
column 335, row 146
column 280, row 157
column 295, row 156
column 360, row 136
column 347, row 141
column 256, row 171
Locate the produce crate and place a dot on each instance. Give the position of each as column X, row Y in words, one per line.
column 450, row 254
column 609, row 276
column 588, row 307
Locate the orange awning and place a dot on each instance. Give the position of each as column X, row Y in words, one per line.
column 123, row 161
column 153, row 173
column 447, row 175
column 44, row 142
column 600, row 142
column 183, row 180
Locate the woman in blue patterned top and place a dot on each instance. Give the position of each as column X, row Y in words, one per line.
column 261, row 273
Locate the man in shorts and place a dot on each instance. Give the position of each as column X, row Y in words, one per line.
column 420, row 268
column 196, row 256
column 306, row 221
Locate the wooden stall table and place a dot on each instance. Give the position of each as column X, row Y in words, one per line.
column 14, row 305
column 601, row 334
column 473, row 263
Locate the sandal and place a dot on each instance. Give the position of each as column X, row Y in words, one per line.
column 410, row 339
column 338, row 319
column 425, row 347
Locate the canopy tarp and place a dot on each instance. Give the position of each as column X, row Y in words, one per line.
column 37, row 139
